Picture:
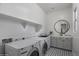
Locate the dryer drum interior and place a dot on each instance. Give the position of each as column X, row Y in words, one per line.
column 44, row 49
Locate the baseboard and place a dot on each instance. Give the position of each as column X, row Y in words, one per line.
column 61, row 48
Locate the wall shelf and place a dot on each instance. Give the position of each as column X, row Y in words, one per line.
column 21, row 21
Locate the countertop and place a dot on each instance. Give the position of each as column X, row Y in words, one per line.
column 24, row 43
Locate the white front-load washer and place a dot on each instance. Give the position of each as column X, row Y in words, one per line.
column 45, row 44
column 48, row 41
column 41, row 41
column 28, row 47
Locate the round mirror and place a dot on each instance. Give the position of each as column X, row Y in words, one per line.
column 61, row 26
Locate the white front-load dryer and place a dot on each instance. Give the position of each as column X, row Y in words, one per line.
column 26, row 47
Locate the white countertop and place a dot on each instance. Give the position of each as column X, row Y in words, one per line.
column 24, row 43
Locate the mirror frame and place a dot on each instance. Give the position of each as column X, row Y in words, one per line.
column 63, row 21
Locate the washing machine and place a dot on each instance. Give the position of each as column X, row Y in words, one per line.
column 47, row 40
column 28, row 47
column 41, row 42
column 45, row 44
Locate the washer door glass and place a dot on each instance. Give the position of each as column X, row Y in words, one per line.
column 35, row 53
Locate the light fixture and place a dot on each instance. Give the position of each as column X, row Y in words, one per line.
column 75, row 19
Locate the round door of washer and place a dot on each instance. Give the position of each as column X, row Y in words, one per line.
column 44, row 48
column 34, row 52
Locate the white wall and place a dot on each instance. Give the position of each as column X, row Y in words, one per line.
column 28, row 11
column 24, row 11
column 58, row 15
column 13, row 29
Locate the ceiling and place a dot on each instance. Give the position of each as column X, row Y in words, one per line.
column 50, row 7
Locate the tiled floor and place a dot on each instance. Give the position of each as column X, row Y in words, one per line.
column 58, row 52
